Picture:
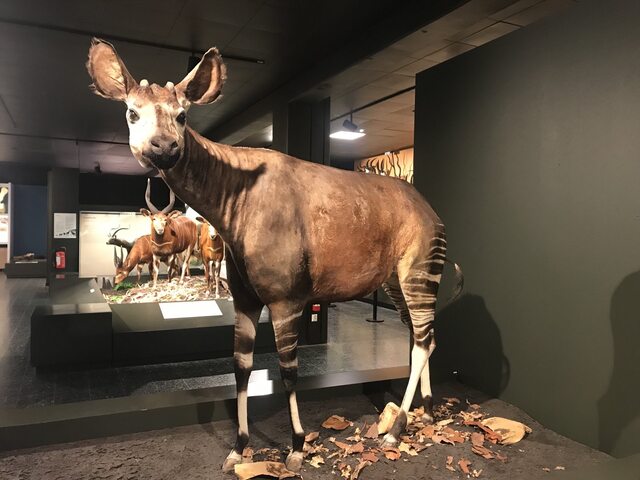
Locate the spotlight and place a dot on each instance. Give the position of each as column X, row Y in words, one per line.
column 350, row 131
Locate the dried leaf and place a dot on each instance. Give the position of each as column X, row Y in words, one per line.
column 546, row 469
column 387, row 417
column 392, row 453
column 476, row 473
column 444, row 422
column 559, row 467
column 490, row 435
column 345, row 470
column 316, row 461
column 359, row 468
column 372, row 432
column 311, row 437
column 449, row 459
column 403, row 447
column 464, row 466
column 370, row 457
column 427, row 431
column 477, row 439
column 510, row 430
column 336, row 422
column 245, row 471
column 441, row 439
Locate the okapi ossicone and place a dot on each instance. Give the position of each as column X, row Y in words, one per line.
column 173, row 235
column 284, row 222
column 211, row 249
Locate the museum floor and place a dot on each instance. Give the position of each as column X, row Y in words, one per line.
column 353, row 345
column 197, row 451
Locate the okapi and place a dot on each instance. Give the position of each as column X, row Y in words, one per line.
column 211, row 252
column 171, row 235
column 284, row 222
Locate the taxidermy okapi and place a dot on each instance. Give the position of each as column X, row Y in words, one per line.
column 258, row 199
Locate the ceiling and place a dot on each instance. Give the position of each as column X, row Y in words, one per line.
column 48, row 116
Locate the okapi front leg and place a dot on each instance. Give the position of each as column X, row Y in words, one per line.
column 244, row 341
column 285, row 327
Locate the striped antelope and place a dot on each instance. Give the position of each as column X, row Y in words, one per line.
column 339, row 234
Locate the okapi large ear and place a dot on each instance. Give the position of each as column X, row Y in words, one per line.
column 203, row 84
column 111, row 79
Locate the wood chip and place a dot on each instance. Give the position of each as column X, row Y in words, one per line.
column 427, row 431
column 442, row 439
column 245, row 471
column 372, row 432
column 484, row 452
column 449, row 464
column 311, row 437
column 444, row 422
column 510, row 431
column 559, row 467
column 316, row 461
column 336, row 422
column 476, row 473
column 387, row 417
column 464, row 466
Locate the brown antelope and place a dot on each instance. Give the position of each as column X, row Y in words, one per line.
column 171, row 235
column 211, row 252
column 139, row 254
column 260, row 199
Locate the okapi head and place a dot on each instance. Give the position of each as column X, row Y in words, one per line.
column 156, row 115
column 160, row 219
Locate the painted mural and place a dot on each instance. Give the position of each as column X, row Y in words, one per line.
column 393, row 164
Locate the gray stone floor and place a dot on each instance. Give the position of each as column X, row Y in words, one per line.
column 353, row 345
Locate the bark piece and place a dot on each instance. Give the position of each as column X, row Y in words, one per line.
column 245, row 471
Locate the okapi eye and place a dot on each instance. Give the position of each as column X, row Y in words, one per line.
column 132, row 116
column 182, row 118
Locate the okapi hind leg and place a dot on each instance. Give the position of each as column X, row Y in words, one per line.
column 419, row 282
column 285, row 318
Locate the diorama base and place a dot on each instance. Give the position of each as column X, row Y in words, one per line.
column 197, row 451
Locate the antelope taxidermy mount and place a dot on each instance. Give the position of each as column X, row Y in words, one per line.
column 339, row 234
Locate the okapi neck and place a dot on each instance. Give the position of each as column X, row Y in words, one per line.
column 213, row 179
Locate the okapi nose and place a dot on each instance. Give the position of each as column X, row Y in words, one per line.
column 161, row 146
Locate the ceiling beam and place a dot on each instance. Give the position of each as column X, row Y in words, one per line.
column 409, row 17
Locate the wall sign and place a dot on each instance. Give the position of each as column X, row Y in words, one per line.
column 64, row 225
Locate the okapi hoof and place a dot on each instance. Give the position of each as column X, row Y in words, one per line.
column 427, row 418
column 388, row 441
column 231, row 461
column 294, row 461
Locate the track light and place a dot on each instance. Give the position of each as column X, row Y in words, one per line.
column 350, row 131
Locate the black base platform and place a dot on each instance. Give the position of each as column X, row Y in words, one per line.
column 30, row 269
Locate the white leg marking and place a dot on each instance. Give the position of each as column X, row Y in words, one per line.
column 419, row 357
column 295, row 417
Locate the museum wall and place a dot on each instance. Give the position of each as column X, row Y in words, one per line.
column 529, row 149
column 29, row 223
column 22, row 174
column 121, row 192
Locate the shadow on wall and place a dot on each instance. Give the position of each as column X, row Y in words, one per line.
column 620, row 406
column 468, row 342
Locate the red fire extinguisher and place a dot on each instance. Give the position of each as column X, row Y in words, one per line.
column 60, row 258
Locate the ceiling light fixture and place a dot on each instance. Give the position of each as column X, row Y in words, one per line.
column 349, row 131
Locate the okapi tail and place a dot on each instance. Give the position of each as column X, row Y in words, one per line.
column 457, row 291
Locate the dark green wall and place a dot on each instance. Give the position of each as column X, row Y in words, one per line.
column 529, row 149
